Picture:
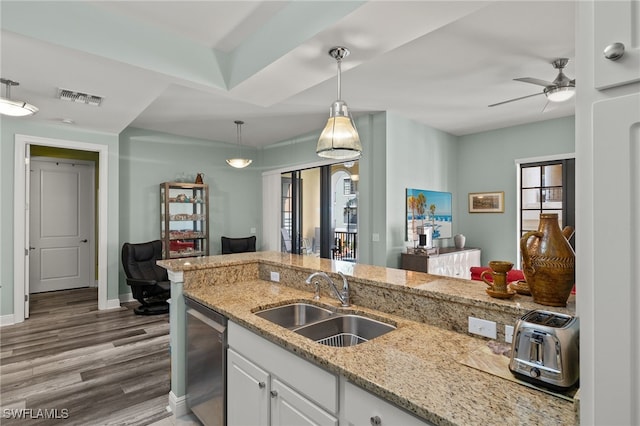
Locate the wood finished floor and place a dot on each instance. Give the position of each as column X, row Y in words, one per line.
column 104, row 367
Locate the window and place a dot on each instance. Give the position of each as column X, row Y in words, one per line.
column 547, row 187
column 349, row 187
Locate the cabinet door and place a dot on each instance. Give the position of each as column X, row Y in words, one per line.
column 616, row 22
column 364, row 409
column 247, row 392
column 616, row 131
column 289, row 408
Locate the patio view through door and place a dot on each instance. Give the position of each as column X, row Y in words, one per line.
column 319, row 211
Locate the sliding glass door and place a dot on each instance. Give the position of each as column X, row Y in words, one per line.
column 319, row 211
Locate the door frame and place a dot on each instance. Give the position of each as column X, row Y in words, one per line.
column 21, row 212
column 92, row 222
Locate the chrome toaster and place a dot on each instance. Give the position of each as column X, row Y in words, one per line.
column 545, row 349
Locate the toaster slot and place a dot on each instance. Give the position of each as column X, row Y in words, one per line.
column 536, row 348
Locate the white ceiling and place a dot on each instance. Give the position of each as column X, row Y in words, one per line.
column 193, row 67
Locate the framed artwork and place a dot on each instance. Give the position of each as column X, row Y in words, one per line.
column 428, row 208
column 486, row 202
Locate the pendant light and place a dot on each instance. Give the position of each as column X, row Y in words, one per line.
column 239, row 162
column 339, row 139
column 14, row 108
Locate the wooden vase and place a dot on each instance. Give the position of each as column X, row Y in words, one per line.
column 549, row 261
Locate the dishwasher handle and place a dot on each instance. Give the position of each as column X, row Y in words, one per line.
column 220, row 328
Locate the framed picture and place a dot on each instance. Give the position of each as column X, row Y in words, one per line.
column 428, row 208
column 486, row 202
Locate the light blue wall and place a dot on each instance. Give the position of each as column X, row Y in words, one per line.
column 12, row 126
column 150, row 158
column 486, row 163
column 420, row 157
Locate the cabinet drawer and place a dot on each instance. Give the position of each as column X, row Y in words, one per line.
column 363, row 408
column 310, row 380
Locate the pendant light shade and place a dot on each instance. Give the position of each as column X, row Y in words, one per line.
column 11, row 107
column 339, row 139
column 239, row 162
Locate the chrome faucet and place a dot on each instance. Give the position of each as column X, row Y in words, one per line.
column 343, row 296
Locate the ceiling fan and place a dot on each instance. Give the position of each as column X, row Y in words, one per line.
column 558, row 90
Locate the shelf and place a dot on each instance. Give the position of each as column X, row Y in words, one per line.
column 186, row 232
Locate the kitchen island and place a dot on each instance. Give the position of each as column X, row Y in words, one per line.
column 416, row 367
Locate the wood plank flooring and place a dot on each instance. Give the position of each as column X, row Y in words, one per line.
column 84, row 366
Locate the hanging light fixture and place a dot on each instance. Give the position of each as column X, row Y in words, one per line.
column 239, row 162
column 14, row 108
column 339, row 139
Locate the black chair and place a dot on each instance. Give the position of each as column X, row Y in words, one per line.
column 149, row 282
column 238, row 245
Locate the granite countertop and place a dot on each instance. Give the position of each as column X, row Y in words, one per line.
column 417, row 366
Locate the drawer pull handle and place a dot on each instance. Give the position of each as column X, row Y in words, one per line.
column 376, row 421
column 274, row 394
column 262, row 385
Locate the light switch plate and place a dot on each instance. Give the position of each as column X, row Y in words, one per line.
column 508, row 333
column 482, row 327
column 275, row 276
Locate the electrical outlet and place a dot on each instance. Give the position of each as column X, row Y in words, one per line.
column 482, row 327
column 252, row 230
column 508, row 333
column 375, row 237
column 275, row 276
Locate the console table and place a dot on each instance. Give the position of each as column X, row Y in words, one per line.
column 450, row 261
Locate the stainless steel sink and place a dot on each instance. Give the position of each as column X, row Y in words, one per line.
column 295, row 315
column 345, row 330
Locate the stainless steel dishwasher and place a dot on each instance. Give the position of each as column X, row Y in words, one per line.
column 206, row 363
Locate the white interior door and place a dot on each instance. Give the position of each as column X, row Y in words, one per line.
column 61, row 225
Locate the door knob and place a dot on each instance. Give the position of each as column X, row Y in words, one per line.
column 262, row 385
column 274, row 394
column 376, row 421
column 83, row 241
column 614, row 51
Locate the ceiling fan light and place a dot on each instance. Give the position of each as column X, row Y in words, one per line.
column 16, row 108
column 560, row 94
column 239, row 163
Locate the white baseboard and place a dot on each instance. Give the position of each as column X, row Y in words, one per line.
column 7, row 320
column 126, row 297
column 178, row 405
column 113, row 304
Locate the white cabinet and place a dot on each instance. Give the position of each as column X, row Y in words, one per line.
column 362, row 408
column 288, row 408
column 267, row 385
column 616, row 22
column 450, row 262
column 456, row 264
column 247, row 392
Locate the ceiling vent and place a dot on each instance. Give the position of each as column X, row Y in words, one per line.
column 82, row 98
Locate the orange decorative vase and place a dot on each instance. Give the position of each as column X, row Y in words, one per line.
column 548, row 261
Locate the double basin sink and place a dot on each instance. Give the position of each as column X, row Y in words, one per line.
column 324, row 325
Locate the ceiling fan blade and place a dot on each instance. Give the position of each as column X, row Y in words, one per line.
column 516, row 99
column 534, row 81
column 545, row 106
